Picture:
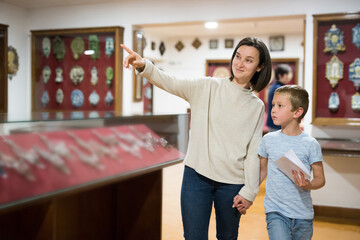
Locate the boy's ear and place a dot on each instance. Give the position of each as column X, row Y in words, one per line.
column 298, row 112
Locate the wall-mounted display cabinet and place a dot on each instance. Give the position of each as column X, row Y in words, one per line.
column 77, row 69
column 336, row 69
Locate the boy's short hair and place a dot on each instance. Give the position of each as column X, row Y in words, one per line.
column 299, row 97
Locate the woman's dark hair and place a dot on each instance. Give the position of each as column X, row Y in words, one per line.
column 260, row 79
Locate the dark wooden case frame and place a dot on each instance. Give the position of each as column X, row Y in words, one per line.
column 118, row 33
column 330, row 19
column 3, row 67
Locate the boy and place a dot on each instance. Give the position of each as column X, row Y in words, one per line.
column 288, row 205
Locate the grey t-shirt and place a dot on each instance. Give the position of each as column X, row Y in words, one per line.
column 282, row 194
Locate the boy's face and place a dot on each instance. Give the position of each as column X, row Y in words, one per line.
column 281, row 111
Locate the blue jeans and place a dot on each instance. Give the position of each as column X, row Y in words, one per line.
column 197, row 196
column 283, row 228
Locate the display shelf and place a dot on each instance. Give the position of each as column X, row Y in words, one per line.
column 340, row 147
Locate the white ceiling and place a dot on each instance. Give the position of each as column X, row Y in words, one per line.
column 238, row 27
column 33, row 4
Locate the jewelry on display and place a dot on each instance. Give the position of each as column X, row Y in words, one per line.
column 101, row 150
column 108, row 139
column 94, row 76
column 58, row 148
column 59, row 77
column 334, row 102
column 354, row 73
column 45, row 99
column 334, row 71
column 334, row 40
column 150, row 139
column 94, row 147
column 355, row 102
column 81, row 142
column 59, row 96
column 54, row 159
column 92, row 160
column 18, row 165
column 133, row 150
column 46, row 73
column 131, row 139
column 30, row 155
column 77, row 74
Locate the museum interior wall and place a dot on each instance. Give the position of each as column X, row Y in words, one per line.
column 343, row 173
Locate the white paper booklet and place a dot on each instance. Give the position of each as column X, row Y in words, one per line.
column 288, row 162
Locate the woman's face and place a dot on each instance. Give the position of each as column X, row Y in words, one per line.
column 245, row 64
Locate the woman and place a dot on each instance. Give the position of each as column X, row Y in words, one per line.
column 226, row 127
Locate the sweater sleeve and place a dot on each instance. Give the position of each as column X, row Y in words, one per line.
column 183, row 88
column 252, row 163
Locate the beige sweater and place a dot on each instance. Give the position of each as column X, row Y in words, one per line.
column 226, row 127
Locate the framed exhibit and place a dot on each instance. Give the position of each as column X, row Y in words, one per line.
column 336, row 69
column 277, row 43
column 213, row 43
column 218, row 68
column 138, row 46
column 77, row 69
column 229, row 43
column 3, row 67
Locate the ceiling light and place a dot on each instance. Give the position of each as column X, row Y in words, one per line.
column 211, row 25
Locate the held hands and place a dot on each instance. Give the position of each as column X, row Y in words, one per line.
column 133, row 59
column 301, row 181
column 241, row 204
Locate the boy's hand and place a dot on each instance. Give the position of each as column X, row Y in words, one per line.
column 301, row 181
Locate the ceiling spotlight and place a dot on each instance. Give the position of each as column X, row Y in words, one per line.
column 211, row 25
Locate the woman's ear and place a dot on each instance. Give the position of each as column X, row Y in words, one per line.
column 258, row 69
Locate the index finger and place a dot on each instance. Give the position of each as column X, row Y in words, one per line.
column 126, row 49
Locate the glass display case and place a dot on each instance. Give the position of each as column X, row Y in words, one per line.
column 86, row 175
